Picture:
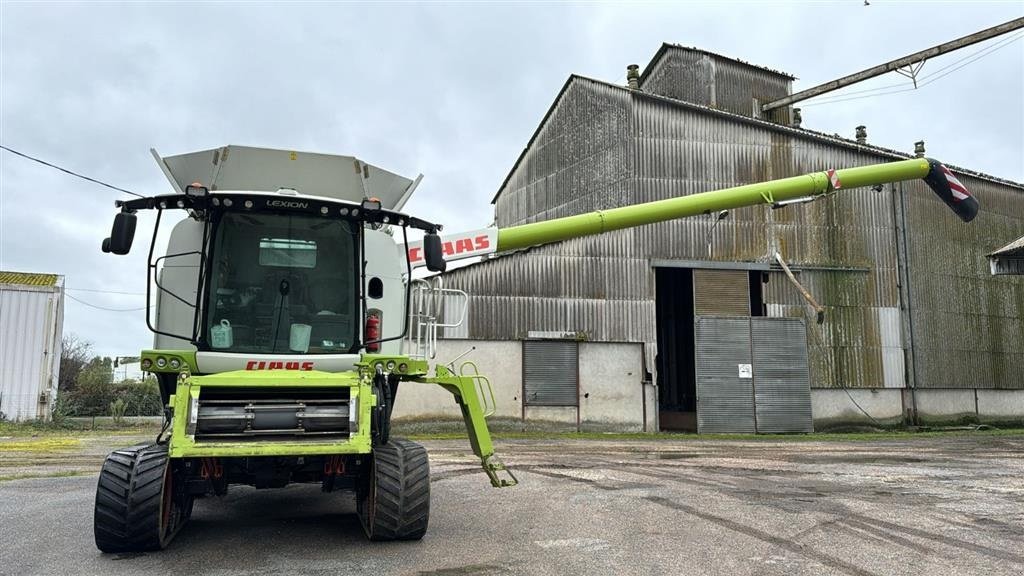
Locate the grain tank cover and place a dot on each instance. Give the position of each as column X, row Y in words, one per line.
column 268, row 170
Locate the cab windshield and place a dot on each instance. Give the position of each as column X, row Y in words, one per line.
column 282, row 284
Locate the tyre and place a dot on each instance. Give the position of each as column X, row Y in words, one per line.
column 393, row 500
column 140, row 501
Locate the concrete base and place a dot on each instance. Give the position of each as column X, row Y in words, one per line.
column 612, row 392
column 834, row 408
column 1001, row 406
column 614, row 397
column 943, row 407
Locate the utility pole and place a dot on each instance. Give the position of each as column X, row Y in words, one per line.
column 908, row 65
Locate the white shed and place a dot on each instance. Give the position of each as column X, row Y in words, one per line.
column 31, row 327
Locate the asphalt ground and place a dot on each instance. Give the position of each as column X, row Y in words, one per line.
column 914, row 505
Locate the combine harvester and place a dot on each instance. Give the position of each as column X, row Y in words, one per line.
column 286, row 316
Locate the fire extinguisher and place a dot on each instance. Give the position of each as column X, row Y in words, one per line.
column 372, row 333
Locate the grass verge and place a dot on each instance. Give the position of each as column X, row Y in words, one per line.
column 36, row 428
column 61, row 474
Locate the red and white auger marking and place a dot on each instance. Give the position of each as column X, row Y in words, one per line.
column 955, row 186
column 836, row 184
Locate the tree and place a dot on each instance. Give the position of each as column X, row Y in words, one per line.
column 94, row 388
column 74, row 355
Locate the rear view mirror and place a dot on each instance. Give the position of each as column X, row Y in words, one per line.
column 433, row 253
column 121, row 234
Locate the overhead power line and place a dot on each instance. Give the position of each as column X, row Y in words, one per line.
column 71, row 172
column 106, row 291
column 904, row 65
column 924, row 79
column 104, row 307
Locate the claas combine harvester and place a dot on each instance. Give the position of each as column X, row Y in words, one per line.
column 287, row 319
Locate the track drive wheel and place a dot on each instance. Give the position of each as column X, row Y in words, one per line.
column 140, row 501
column 393, row 499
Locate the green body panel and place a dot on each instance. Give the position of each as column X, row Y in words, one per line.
column 184, row 445
column 600, row 221
column 186, row 357
column 358, row 385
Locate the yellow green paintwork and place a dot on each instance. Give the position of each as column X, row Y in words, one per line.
column 413, row 367
column 359, row 387
column 186, row 357
column 464, row 389
column 601, row 221
column 184, row 445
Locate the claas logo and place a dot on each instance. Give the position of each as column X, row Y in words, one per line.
column 454, row 247
column 276, row 365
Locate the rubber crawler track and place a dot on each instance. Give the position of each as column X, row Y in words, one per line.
column 129, row 501
column 394, row 501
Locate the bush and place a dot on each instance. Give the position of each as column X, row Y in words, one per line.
column 96, row 394
column 117, row 409
column 141, row 398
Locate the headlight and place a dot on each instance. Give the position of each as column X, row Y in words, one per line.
column 161, row 362
column 403, row 367
column 175, row 363
column 391, row 365
column 147, row 364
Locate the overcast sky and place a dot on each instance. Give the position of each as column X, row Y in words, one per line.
column 450, row 90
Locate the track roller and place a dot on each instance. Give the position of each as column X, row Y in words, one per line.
column 393, row 499
column 140, row 501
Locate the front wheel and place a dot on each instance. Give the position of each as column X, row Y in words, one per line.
column 140, row 501
column 393, row 499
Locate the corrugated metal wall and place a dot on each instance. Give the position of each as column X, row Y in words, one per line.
column 845, row 246
column 31, row 325
column 580, row 160
column 968, row 327
column 702, row 78
column 721, row 293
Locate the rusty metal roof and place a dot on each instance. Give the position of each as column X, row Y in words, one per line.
column 28, row 278
column 1013, row 249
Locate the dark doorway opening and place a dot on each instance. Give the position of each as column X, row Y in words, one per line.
column 722, row 293
column 677, row 382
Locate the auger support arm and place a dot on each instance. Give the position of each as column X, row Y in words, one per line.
column 467, row 395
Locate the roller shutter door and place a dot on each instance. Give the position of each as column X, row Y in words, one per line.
column 550, row 373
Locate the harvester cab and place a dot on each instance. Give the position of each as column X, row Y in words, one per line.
column 286, row 316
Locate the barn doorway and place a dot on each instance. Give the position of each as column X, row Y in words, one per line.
column 683, row 294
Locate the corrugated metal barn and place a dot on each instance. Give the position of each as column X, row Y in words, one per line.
column 915, row 326
column 31, row 327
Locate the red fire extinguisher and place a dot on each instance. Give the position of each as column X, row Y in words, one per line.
column 372, row 333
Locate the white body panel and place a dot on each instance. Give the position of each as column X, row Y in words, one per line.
column 31, row 328
column 384, row 260
column 217, row 362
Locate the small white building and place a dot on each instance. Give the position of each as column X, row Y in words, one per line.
column 31, row 327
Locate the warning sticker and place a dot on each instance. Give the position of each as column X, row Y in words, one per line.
column 746, row 370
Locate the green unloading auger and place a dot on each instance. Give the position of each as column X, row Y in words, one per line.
column 479, row 242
